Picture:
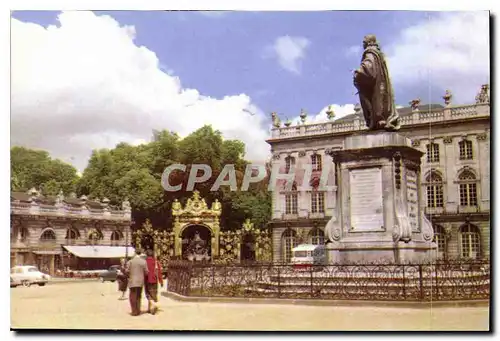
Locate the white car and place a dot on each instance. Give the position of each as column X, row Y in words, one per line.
column 27, row 275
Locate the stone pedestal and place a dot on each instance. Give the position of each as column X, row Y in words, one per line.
column 378, row 216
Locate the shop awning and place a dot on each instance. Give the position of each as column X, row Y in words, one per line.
column 99, row 251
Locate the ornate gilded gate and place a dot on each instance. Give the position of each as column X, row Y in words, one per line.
column 230, row 243
column 225, row 246
column 163, row 242
column 196, row 212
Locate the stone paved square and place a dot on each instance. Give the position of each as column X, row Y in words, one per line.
column 95, row 305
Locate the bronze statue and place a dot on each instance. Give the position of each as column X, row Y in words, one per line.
column 375, row 90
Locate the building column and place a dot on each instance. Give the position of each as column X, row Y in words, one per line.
column 481, row 144
column 52, row 265
column 484, row 230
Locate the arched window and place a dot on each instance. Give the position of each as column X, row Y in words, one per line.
column 316, row 162
column 440, row 240
column 470, row 241
column 465, row 148
column 467, row 188
column 432, row 152
column 288, row 242
column 23, row 234
column 72, row 234
column 291, row 201
column 116, row 236
column 317, row 236
column 289, row 164
column 434, row 189
column 48, row 235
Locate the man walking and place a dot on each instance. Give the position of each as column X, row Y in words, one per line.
column 137, row 270
column 154, row 277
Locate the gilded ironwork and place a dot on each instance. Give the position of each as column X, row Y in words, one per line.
column 262, row 241
column 231, row 241
column 230, row 246
column 163, row 242
column 457, row 280
column 196, row 212
column 263, row 246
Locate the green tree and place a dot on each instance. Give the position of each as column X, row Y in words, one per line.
column 141, row 188
column 34, row 168
column 135, row 173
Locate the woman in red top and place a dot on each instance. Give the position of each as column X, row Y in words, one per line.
column 151, row 282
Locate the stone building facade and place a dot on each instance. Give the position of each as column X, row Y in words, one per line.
column 455, row 174
column 42, row 226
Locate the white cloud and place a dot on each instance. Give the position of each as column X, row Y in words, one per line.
column 448, row 51
column 87, row 85
column 289, row 51
column 339, row 110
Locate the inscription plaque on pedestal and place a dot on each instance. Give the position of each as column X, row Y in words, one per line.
column 366, row 200
column 412, row 198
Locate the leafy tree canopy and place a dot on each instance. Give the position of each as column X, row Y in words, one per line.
column 135, row 173
column 34, row 168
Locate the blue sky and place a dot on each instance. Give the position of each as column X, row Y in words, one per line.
column 281, row 61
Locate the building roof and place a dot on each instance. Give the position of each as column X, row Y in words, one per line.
column 405, row 111
column 99, row 251
column 20, row 196
column 51, row 200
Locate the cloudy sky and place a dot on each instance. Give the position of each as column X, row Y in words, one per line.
column 86, row 80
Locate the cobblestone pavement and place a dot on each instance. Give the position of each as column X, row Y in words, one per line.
column 94, row 305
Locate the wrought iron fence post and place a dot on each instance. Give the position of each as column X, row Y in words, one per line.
column 421, row 282
column 225, row 275
column 213, row 276
column 202, row 280
column 190, row 276
column 437, row 283
column 311, row 277
column 279, row 281
column 404, row 283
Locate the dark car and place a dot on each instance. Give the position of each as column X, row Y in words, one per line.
column 110, row 274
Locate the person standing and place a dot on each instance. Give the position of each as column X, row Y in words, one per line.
column 137, row 270
column 154, row 278
column 122, row 279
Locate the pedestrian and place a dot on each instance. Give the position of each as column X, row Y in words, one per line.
column 122, row 278
column 137, row 270
column 154, row 278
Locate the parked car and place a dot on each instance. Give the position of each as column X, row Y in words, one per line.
column 110, row 274
column 27, row 275
column 14, row 282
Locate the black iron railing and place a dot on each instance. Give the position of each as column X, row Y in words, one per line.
column 463, row 280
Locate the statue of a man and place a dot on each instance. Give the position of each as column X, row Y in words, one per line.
column 375, row 90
